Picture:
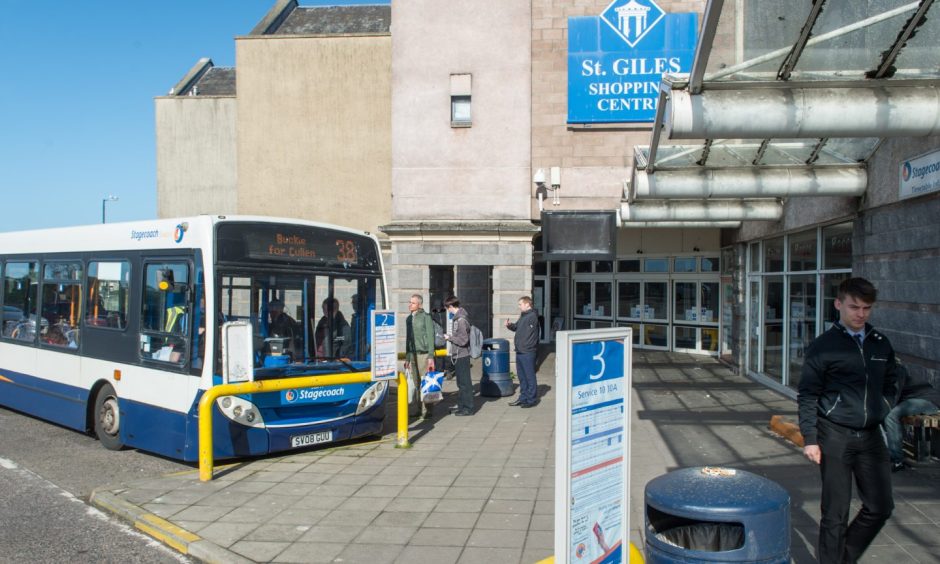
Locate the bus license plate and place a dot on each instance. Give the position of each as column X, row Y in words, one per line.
column 311, row 439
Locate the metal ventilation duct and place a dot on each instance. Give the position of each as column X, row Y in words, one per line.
column 765, row 113
column 749, row 183
column 701, row 210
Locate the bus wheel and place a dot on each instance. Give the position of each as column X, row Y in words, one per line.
column 108, row 418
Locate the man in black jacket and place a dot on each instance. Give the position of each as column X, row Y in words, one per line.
column 526, row 341
column 846, row 388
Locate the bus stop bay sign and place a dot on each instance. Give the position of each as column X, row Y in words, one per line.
column 592, row 449
column 384, row 345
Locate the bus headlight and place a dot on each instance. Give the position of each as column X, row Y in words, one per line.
column 371, row 396
column 240, row 411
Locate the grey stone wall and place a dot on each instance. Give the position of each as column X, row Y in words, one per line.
column 897, row 247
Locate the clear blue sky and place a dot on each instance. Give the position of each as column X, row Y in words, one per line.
column 76, row 98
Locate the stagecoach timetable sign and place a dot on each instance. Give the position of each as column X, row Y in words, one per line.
column 384, row 345
column 592, row 448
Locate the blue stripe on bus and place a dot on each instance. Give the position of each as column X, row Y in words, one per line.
column 52, row 401
column 172, row 433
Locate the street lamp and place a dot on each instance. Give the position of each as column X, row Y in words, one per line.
column 104, row 203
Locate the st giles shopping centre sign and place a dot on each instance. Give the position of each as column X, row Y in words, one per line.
column 616, row 60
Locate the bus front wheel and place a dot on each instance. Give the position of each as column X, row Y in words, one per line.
column 108, row 418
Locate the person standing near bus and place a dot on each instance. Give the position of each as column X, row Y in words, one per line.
column 526, row 341
column 419, row 347
column 846, row 388
column 459, row 339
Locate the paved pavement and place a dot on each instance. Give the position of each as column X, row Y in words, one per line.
column 481, row 489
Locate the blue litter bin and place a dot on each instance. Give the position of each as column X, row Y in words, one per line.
column 716, row 515
column 495, row 381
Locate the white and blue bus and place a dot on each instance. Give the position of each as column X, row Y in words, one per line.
column 115, row 330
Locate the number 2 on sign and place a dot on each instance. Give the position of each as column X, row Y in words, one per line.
column 599, row 357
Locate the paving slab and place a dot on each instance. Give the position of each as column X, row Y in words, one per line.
column 480, row 489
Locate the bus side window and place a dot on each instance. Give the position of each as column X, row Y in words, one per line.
column 108, row 294
column 61, row 304
column 167, row 312
column 20, row 289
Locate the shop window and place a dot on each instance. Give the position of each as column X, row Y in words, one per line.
column 709, row 264
column 773, row 327
column 773, row 255
column 684, row 264
column 628, row 266
column 582, row 266
column 604, row 266
column 803, row 251
column 656, row 265
column 837, row 246
column 708, row 301
column 754, row 257
column 629, row 300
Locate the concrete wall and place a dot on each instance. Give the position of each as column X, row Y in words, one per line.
column 594, row 162
column 475, row 173
column 196, row 155
column 314, row 128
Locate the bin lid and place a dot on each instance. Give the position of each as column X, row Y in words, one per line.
column 496, row 344
column 721, row 493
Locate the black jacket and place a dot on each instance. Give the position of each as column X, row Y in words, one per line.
column 846, row 384
column 526, row 338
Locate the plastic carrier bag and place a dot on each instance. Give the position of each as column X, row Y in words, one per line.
column 431, row 387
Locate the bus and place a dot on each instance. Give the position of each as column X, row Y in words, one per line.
column 114, row 329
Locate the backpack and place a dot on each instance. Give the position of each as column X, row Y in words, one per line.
column 439, row 341
column 476, row 342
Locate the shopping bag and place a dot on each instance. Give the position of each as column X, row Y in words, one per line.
column 409, row 376
column 431, row 387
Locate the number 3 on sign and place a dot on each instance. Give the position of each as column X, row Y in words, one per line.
column 599, row 357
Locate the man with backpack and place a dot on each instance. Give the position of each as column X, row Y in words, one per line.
column 459, row 339
column 526, row 342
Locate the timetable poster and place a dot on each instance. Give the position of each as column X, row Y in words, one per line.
column 597, row 444
column 384, row 345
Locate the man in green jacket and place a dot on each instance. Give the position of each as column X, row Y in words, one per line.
column 419, row 348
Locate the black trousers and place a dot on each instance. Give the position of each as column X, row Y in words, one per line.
column 464, row 383
column 848, row 454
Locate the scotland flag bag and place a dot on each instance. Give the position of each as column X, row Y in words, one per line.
column 431, row 387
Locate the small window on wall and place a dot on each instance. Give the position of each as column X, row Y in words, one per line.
column 709, row 264
column 460, row 87
column 61, row 304
column 108, row 294
column 628, row 266
column 165, row 316
column 20, row 300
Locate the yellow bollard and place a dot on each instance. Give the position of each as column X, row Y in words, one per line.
column 402, row 440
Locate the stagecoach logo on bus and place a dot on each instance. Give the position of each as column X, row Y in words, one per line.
column 304, row 395
column 177, row 235
column 616, row 60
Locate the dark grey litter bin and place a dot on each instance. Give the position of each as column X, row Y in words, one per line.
column 716, row 515
column 495, row 381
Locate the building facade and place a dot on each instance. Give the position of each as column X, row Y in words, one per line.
column 748, row 166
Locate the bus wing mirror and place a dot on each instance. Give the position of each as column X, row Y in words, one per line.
column 238, row 355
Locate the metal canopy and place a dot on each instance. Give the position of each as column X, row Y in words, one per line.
column 791, row 99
